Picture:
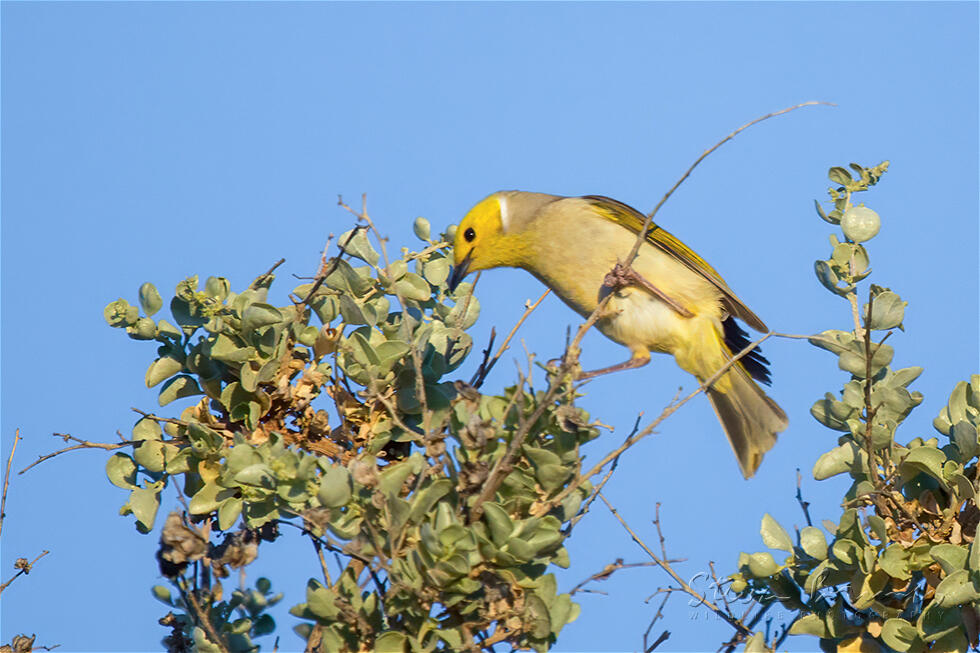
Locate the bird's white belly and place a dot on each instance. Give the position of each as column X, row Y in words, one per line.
column 635, row 317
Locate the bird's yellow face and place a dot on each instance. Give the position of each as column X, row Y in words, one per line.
column 480, row 241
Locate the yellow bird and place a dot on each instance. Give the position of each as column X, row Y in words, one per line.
column 670, row 300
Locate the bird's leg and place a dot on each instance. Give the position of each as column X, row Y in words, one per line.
column 624, row 275
column 638, row 359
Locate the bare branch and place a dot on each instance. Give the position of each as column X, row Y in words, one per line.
column 804, row 505
column 664, row 564
column 6, row 479
column 23, row 567
column 82, row 444
column 485, row 367
column 608, row 571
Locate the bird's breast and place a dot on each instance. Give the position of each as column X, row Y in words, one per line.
column 574, row 263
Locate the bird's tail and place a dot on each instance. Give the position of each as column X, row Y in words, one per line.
column 750, row 418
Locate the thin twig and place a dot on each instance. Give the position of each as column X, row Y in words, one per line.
column 665, row 565
column 484, row 370
column 82, row 444
column 24, row 569
column 269, row 272
column 660, row 640
column 805, row 505
column 667, row 412
column 598, row 488
column 204, row 620
column 659, row 614
column 6, row 479
column 608, row 571
column 708, row 152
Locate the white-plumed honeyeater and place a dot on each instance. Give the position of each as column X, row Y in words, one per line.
column 669, row 300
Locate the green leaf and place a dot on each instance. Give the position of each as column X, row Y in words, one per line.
column 810, row 624
column 832, row 340
column 321, row 601
column 828, row 278
column 258, row 315
column 775, row 536
column 957, row 589
column 177, row 388
column 226, row 350
column 756, row 643
column 421, row 228
column 149, row 455
column 119, row 313
column 257, row 475
column 390, row 481
column 813, row 542
column 973, row 561
column 412, row 286
column 217, row 287
column 966, row 437
column 854, row 360
column 150, row 299
column 228, row 513
column 887, row 311
column 390, row 642
column 499, row 523
column 121, row 471
column 840, row 176
column 899, row 634
column 832, row 413
column 146, row 429
column 950, row 557
column 823, row 215
column 760, row 565
column 937, row 620
column 358, row 245
column 436, row 271
column 205, row 500
column 838, row 460
column 335, row 487
column 162, row 594
column 144, row 503
column 202, row 644
column 161, row 369
column 895, row 561
column 925, row 459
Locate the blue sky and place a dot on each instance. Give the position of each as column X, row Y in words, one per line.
column 152, row 141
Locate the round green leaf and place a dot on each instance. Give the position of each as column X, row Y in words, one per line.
column 178, row 387
column 161, row 369
column 121, row 470
column 258, row 315
column 421, row 228
column 150, row 299
column 813, row 542
column 899, row 634
column 335, row 487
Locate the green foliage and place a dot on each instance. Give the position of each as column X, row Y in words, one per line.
column 900, row 569
column 445, row 507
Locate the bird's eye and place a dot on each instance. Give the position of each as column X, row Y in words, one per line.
column 469, row 235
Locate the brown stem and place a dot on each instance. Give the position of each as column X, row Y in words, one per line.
column 6, row 479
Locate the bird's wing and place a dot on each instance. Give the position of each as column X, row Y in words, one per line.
column 627, row 216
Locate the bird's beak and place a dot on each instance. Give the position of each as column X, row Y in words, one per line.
column 459, row 271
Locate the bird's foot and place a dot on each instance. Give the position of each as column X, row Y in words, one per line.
column 623, row 275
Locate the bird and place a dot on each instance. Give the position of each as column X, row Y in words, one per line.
column 667, row 300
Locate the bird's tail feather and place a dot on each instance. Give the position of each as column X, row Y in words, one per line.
column 750, row 418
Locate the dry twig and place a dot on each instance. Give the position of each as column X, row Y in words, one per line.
column 82, row 444
column 6, row 479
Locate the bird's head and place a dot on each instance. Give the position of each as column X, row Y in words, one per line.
column 487, row 237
